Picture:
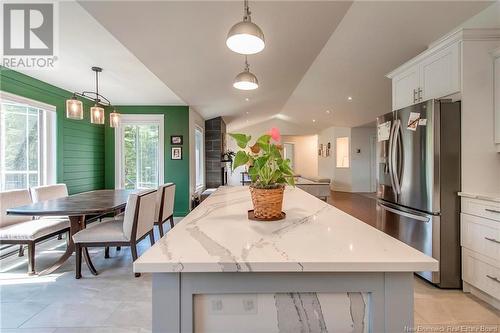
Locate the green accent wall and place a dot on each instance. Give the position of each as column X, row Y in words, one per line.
column 176, row 122
column 80, row 144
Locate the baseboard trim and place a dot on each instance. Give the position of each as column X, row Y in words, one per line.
column 468, row 288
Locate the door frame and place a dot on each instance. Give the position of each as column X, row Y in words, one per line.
column 138, row 119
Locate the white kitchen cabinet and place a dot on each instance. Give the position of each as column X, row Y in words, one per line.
column 433, row 74
column 404, row 88
column 480, row 241
column 440, row 73
column 496, row 59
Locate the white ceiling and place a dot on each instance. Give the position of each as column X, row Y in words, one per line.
column 84, row 43
column 317, row 54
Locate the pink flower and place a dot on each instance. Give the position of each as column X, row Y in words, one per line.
column 275, row 134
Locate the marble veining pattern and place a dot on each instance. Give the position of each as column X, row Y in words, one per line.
column 218, row 237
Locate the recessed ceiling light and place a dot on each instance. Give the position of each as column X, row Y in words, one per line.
column 314, row 120
column 246, row 112
column 349, row 98
column 328, row 111
column 247, row 99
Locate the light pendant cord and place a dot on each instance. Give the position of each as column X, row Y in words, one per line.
column 246, row 12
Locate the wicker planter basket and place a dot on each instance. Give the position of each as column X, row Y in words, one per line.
column 267, row 203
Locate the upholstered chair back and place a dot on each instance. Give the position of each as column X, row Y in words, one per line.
column 141, row 205
column 10, row 199
column 49, row 192
column 166, row 208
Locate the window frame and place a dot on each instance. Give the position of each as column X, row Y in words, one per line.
column 200, row 186
column 47, row 137
column 138, row 119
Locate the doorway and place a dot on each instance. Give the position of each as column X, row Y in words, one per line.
column 139, row 152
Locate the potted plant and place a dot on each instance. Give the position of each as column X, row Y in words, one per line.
column 268, row 171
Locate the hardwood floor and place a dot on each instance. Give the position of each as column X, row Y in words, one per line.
column 360, row 205
column 436, row 310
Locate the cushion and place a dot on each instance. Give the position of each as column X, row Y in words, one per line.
column 105, row 231
column 10, row 199
column 32, row 229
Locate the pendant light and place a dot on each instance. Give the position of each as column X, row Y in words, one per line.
column 74, row 107
column 246, row 80
column 114, row 119
column 245, row 37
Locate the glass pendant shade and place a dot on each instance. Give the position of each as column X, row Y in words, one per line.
column 246, row 81
column 74, row 109
column 97, row 115
column 114, row 119
column 245, row 37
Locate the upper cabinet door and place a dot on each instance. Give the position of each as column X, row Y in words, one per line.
column 405, row 88
column 440, row 73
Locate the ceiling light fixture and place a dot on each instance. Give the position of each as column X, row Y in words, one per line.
column 314, row 120
column 349, row 98
column 74, row 107
column 245, row 37
column 246, row 80
column 328, row 111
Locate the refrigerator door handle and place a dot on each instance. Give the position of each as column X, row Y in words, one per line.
column 394, row 152
column 390, row 160
column 405, row 214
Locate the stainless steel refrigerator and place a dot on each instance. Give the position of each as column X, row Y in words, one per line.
column 418, row 158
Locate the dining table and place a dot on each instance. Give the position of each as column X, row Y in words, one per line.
column 79, row 208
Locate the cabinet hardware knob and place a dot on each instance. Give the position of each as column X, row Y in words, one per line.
column 415, row 96
column 492, row 210
column 493, row 278
column 492, row 240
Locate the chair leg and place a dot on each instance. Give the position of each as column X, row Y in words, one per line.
column 171, row 222
column 118, row 248
column 59, row 237
column 160, row 229
column 133, row 249
column 78, row 260
column 106, row 252
column 68, row 236
column 31, row 258
column 21, row 250
column 152, row 237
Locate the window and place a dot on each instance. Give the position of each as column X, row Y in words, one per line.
column 343, row 152
column 27, row 136
column 139, row 152
column 199, row 160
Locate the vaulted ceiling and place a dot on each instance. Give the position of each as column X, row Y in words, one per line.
column 317, row 54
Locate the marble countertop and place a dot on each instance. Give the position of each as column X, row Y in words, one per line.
column 487, row 197
column 314, row 237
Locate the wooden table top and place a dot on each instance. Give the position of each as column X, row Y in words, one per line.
column 87, row 203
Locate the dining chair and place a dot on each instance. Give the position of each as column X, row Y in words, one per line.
column 49, row 192
column 165, row 206
column 137, row 223
column 24, row 230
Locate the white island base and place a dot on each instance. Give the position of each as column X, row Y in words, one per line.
column 318, row 270
column 282, row 302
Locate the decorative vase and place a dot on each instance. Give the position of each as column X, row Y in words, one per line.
column 267, row 203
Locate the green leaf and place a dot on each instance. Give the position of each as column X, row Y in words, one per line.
column 241, row 139
column 240, row 159
column 264, row 139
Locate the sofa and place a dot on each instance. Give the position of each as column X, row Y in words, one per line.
column 317, row 186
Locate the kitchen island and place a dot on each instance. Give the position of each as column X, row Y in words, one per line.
column 318, row 270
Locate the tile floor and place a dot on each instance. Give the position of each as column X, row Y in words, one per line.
column 112, row 302
column 116, row 302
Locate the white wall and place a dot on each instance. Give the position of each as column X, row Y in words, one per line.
column 356, row 178
column 305, row 153
column 194, row 120
column 480, row 161
column 361, row 163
